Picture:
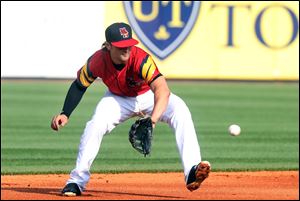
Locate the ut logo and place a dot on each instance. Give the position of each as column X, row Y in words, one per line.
column 162, row 25
column 123, row 32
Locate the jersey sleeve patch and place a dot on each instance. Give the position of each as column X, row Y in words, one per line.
column 85, row 76
column 147, row 69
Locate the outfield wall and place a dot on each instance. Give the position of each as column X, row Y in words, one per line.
column 224, row 40
column 49, row 39
column 188, row 40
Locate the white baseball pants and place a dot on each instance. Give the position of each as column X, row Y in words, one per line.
column 113, row 110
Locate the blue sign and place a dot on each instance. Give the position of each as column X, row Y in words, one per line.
column 162, row 26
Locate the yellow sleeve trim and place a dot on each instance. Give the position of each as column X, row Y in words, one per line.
column 148, row 69
column 84, row 69
column 85, row 80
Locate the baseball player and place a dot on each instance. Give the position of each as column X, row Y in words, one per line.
column 135, row 86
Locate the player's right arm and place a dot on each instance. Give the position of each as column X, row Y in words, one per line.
column 73, row 97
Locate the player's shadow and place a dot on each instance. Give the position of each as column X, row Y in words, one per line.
column 135, row 194
column 56, row 192
column 49, row 191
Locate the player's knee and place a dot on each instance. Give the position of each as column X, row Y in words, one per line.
column 181, row 110
column 97, row 126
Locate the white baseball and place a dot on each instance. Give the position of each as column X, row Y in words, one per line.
column 234, row 129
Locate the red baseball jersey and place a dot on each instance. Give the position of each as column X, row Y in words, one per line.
column 132, row 80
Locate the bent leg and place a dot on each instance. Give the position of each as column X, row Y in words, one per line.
column 178, row 116
column 110, row 112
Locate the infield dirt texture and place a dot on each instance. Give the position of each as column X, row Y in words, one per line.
column 158, row 186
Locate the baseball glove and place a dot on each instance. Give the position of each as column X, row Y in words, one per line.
column 140, row 135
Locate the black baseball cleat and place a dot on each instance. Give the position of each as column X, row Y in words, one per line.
column 71, row 189
column 197, row 175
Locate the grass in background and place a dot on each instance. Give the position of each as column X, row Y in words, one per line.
column 267, row 113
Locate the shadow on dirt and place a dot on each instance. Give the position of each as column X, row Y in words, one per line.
column 94, row 193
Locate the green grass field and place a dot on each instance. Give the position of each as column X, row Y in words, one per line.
column 267, row 113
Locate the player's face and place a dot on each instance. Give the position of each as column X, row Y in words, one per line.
column 120, row 55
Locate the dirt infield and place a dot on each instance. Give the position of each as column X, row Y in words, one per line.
column 165, row 186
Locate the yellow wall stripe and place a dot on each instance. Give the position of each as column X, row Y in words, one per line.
column 248, row 40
